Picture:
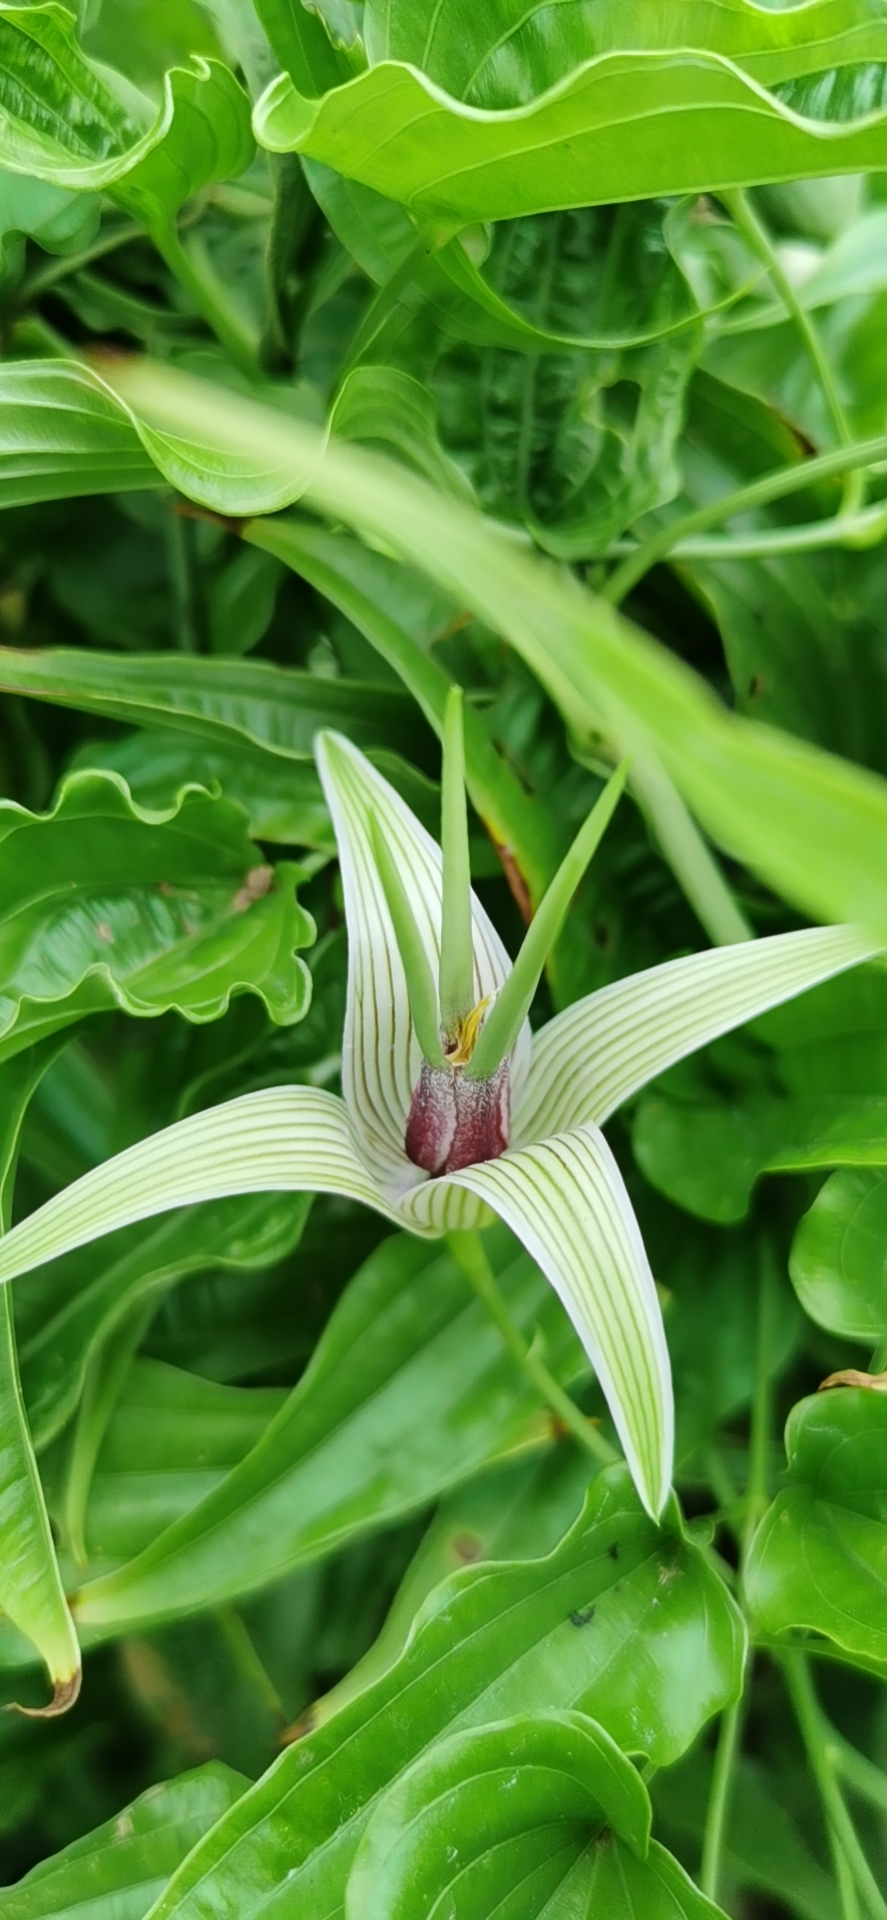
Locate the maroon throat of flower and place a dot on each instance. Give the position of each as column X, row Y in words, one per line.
column 456, row 1120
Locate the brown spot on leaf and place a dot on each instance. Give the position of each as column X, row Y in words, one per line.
column 257, row 883
column 64, row 1696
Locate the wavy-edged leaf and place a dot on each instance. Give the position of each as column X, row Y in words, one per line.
column 838, row 1260
column 281, row 1140
column 566, row 1200
column 818, row 1558
column 31, row 1591
column 492, row 117
column 812, row 825
column 544, row 1814
column 106, row 904
column 562, row 1633
column 282, row 799
column 409, row 1392
column 594, row 1055
column 380, row 1053
column 62, row 122
column 521, row 1810
column 118, row 1870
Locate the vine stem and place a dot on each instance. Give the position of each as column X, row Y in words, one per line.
column 675, row 537
column 468, row 1251
column 193, row 269
column 730, row 1736
column 817, row 1737
column 748, row 221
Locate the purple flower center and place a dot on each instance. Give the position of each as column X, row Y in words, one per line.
column 455, row 1122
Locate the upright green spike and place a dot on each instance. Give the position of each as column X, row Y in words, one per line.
column 416, row 964
column 507, row 1015
column 456, row 951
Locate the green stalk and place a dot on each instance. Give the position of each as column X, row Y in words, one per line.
column 416, row 965
column 49, row 274
column 504, row 1022
column 193, row 269
column 456, row 950
column 749, row 223
column 815, row 1733
column 674, row 536
column 688, row 854
column 468, row 1251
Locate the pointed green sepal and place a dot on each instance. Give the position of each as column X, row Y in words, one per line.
column 416, row 966
column 456, row 955
column 507, row 1015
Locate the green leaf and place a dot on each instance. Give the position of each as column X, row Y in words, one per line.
column 105, row 905
column 481, row 116
column 282, row 799
column 385, row 407
column 562, row 1633
column 66, row 1314
column 434, row 1398
column 523, row 1810
column 63, row 123
column 62, row 435
column 229, row 703
column 839, row 1257
column 813, row 826
column 818, row 1559
column 116, row 1872
column 31, row 1592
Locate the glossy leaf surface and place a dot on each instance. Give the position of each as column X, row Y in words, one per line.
column 819, row 1555
column 838, row 1261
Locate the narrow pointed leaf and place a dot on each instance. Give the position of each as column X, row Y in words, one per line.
column 592, row 1057
column 421, row 989
column 456, row 957
column 505, row 1019
column 117, row 1871
column 381, row 1056
column 284, row 1139
column 31, row 1591
column 566, row 1200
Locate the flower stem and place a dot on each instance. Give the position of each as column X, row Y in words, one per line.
column 193, row 269
column 469, row 1253
column 688, row 854
column 816, row 1735
column 729, row 1740
column 749, row 223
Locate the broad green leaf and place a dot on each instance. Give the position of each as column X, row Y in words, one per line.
column 63, row 435
column 433, row 1399
column 60, row 221
column 68, row 1311
column 171, row 1440
column 116, row 1872
column 511, row 1809
column 282, row 798
column 541, row 1814
column 563, row 1633
column 105, row 904
column 384, row 407
column 227, row 703
column 481, row 116
column 839, row 1257
column 818, row 1558
column 766, row 1848
column 811, row 825
column 62, row 121
column 31, row 1592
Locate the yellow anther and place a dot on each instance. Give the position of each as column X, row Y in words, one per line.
column 460, row 1047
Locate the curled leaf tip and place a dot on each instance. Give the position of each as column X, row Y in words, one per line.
column 851, row 1377
column 65, row 1694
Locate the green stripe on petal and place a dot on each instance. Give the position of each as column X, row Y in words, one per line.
column 566, row 1201
column 381, row 1057
column 601, row 1050
column 283, row 1139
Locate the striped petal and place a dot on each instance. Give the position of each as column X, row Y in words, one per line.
column 284, row 1139
column 599, row 1051
column 381, row 1059
column 566, row 1201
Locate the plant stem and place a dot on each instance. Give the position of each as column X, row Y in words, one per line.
column 49, row 275
column 291, row 216
column 469, row 1253
column 183, row 582
column 749, row 222
column 816, row 1735
column 246, row 1660
column 193, row 269
column 729, row 1739
column 691, row 860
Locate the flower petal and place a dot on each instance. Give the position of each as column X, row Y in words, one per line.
column 283, row 1139
column 591, row 1057
column 381, row 1059
column 566, row 1201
